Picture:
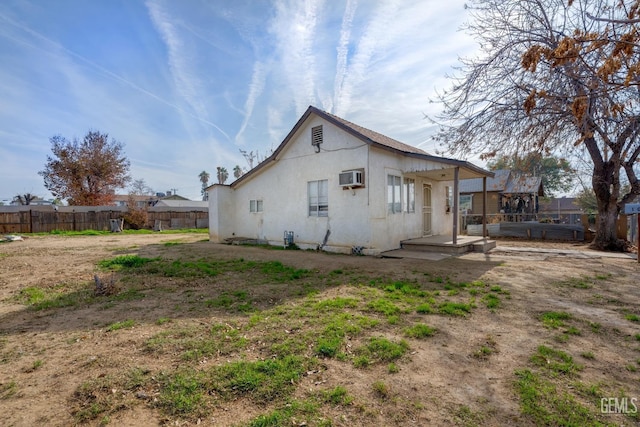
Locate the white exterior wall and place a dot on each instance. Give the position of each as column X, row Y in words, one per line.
column 356, row 217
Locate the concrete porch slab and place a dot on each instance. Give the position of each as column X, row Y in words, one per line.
column 444, row 244
column 406, row 253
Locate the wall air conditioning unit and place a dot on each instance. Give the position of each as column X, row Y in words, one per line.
column 351, row 179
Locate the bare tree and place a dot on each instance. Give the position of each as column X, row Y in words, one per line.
column 140, row 188
column 25, row 199
column 249, row 157
column 551, row 78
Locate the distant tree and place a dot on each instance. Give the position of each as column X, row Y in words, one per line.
column 86, row 172
column 587, row 200
column 204, row 179
column 24, row 199
column 554, row 75
column 249, row 157
column 140, row 188
column 136, row 216
column 237, row 172
column 557, row 173
column 222, row 174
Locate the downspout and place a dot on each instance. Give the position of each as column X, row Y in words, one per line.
column 484, row 208
column 456, row 196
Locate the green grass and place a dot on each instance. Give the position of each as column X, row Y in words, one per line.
column 379, row 349
column 491, row 300
column 450, row 308
column 554, row 319
column 632, row 317
column 70, row 233
column 383, row 306
column 124, row 261
column 555, row 361
column 547, row 405
column 381, row 389
column 261, row 381
column 59, row 296
column 337, row 396
column 125, row 324
column 290, row 414
column 183, row 393
column 419, row 331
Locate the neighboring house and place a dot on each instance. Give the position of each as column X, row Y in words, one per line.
column 507, row 193
column 174, row 203
column 563, row 210
column 141, row 201
column 145, row 200
column 340, row 187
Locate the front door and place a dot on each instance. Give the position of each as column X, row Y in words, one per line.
column 426, row 210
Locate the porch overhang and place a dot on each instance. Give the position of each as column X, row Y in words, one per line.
column 455, row 170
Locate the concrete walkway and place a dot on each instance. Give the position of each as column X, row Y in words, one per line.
column 510, row 252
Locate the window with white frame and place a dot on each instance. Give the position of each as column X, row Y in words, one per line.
column 318, row 192
column 255, row 205
column 409, row 195
column 394, row 194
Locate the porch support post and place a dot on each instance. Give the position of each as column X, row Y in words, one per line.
column 484, row 207
column 456, row 196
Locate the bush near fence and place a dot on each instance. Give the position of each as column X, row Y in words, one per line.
column 44, row 219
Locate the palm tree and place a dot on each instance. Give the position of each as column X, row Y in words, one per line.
column 204, row 179
column 222, row 174
column 237, row 171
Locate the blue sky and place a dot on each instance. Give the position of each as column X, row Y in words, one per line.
column 185, row 85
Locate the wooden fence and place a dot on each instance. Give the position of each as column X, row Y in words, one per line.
column 73, row 218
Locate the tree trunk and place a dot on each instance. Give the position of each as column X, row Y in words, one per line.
column 603, row 183
column 606, row 238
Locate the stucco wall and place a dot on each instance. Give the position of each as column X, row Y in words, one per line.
column 356, row 217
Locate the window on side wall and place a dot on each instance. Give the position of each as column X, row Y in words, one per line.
column 448, row 195
column 394, row 194
column 255, row 205
column 318, row 192
column 410, row 195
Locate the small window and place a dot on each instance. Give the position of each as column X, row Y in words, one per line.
column 316, row 136
column 394, row 195
column 255, row 205
column 410, row 195
column 318, row 192
column 448, row 194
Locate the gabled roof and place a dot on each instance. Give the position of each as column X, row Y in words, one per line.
column 523, row 184
column 183, row 203
column 366, row 135
column 504, row 181
column 561, row 204
column 497, row 183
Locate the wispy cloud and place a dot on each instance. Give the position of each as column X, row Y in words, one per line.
column 256, row 87
column 294, row 27
column 187, row 81
column 343, row 48
column 375, row 34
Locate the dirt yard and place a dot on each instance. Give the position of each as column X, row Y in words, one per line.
column 535, row 338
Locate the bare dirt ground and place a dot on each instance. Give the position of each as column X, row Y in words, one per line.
column 463, row 375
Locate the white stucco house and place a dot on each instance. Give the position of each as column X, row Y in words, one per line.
column 341, row 187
